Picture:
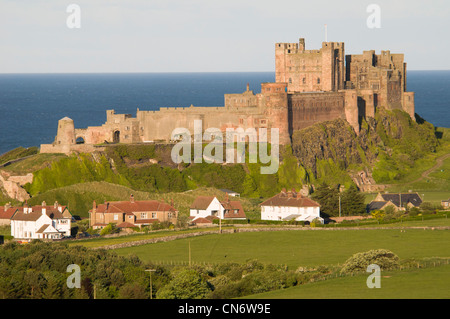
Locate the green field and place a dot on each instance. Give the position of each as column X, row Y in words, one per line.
column 427, row 283
column 297, row 247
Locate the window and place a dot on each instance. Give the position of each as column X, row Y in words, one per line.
column 143, row 215
column 290, row 80
column 116, row 217
column 318, row 80
column 153, row 215
column 236, row 211
column 304, row 80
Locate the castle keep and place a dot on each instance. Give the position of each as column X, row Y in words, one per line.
column 310, row 86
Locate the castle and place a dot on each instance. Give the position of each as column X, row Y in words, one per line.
column 310, row 86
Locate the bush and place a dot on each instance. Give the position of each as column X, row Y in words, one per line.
column 384, row 258
column 109, row 229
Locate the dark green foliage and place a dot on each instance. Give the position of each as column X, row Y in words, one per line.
column 187, row 284
column 352, row 202
column 39, row 270
column 328, row 198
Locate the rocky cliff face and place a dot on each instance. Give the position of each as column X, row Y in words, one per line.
column 390, row 133
column 12, row 185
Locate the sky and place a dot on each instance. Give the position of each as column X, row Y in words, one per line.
column 209, row 35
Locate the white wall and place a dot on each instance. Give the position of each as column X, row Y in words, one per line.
column 281, row 212
column 214, row 205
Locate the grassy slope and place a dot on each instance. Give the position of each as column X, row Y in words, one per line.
column 297, row 248
column 428, row 283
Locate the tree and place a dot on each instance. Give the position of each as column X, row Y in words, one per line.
column 353, row 202
column 187, row 284
column 328, row 198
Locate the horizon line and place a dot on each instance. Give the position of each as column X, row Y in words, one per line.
column 175, row 72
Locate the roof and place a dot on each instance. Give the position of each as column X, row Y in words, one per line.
column 290, row 199
column 36, row 212
column 202, row 202
column 125, row 225
column 231, row 207
column 8, row 213
column 402, row 199
column 134, row 206
column 146, row 221
column 228, row 191
column 376, row 205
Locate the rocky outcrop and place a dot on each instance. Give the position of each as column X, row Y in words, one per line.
column 12, row 185
column 393, row 134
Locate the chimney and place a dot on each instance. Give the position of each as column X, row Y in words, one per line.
column 55, row 205
column 7, row 206
column 171, row 202
column 94, row 206
column 44, row 208
column 132, row 198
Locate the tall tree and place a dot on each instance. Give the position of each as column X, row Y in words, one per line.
column 328, row 198
column 352, row 202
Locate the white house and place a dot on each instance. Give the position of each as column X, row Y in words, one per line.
column 205, row 206
column 290, row 206
column 41, row 222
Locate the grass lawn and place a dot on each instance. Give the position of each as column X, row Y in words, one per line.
column 106, row 241
column 298, row 247
column 423, row 283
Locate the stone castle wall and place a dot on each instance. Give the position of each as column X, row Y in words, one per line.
column 311, row 86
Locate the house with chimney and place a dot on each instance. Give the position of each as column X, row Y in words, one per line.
column 399, row 201
column 47, row 222
column 131, row 213
column 206, row 208
column 290, row 205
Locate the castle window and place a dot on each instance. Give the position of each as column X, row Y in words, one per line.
column 304, row 80
column 318, row 80
column 290, row 80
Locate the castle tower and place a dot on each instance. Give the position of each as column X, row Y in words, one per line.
column 310, row 70
column 66, row 132
column 274, row 97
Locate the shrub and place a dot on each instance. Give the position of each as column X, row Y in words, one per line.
column 384, row 258
column 109, row 229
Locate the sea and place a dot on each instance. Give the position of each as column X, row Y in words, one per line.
column 32, row 104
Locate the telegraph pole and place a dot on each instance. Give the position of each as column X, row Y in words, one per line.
column 151, row 286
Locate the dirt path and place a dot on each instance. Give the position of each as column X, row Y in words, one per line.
column 439, row 162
